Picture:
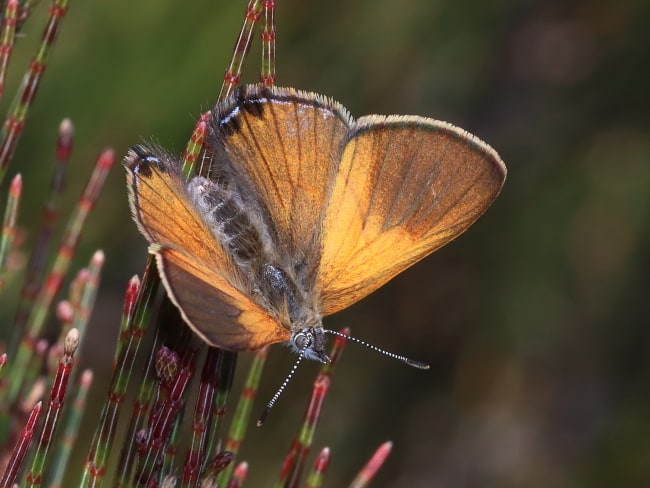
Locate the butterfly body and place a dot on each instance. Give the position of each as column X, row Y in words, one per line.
column 245, row 236
column 300, row 211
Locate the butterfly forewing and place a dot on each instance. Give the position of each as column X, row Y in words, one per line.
column 197, row 272
column 286, row 145
column 405, row 187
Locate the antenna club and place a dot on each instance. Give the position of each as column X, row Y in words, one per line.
column 417, row 364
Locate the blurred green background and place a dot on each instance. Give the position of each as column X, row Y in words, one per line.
column 536, row 321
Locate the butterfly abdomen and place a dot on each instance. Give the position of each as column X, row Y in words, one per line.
column 229, row 220
column 243, row 233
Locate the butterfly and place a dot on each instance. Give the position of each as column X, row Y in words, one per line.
column 302, row 211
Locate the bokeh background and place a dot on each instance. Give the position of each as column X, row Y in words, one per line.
column 536, row 321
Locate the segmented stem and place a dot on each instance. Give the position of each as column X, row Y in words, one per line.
column 161, row 426
column 71, row 431
column 241, row 418
column 60, row 267
column 88, row 293
column 13, row 125
column 194, row 146
column 19, row 452
column 195, row 456
column 7, row 38
column 135, row 315
column 9, row 221
column 242, row 46
column 53, row 412
column 267, row 75
column 35, row 270
column 226, row 375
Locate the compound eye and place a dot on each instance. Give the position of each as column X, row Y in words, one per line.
column 302, row 340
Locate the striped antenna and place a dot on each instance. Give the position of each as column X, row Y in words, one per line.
column 284, row 384
column 404, row 359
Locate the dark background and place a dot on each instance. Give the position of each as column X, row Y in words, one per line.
column 535, row 321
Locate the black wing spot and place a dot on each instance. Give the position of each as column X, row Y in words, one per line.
column 140, row 159
column 253, row 106
column 228, row 124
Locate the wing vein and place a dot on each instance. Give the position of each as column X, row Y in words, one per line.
column 398, row 194
column 253, row 142
column 424, row 190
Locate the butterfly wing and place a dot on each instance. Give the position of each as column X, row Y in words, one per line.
column 286, row 145
column 405, row 186
column 217, row 312
column 198, row 274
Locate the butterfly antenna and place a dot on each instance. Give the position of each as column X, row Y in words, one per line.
column 284, row 384
column 404, row 359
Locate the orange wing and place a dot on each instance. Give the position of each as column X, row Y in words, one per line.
column 405, row 187
column 217, row 312
column 198, row 274
column 286, row 144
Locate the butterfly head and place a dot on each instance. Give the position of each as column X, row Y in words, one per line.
column 310, row 343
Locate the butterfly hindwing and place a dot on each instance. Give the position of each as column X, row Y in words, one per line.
column 219, row 314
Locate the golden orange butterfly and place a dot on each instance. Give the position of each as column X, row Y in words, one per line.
column 303, row 212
